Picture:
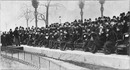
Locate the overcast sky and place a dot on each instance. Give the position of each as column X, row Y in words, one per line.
column 68, row 10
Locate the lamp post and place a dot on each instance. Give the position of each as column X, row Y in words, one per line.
column 60, row 19
column 81, row 6
column 102, row 8
column 35, row 4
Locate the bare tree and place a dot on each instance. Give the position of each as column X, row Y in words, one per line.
column 81, row 6
column 26, row 13
column 35, row 4
column 45, row 16
column 47, row 12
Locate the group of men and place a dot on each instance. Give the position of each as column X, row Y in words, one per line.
column 10, row 38
column 105, row 28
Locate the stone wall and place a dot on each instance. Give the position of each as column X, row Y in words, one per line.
column 113, row 60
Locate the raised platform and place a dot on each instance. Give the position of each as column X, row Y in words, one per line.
column 15, row 49
column 113, row 60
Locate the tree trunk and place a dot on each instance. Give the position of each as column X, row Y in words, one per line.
column 81, row 13
column 47, row 13
column 36, row 17
column 102, row 9
column 27, row 22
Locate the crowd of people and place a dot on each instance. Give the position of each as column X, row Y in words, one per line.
column 104, row 31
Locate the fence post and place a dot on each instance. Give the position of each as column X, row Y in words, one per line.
column 12, row 53
column 49, row 65
column 24, row 55
column 60, row 67
column 39, row 63
column 18, row 54
column 6, row 52
column 31, row 57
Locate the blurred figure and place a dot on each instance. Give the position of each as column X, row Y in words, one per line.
column 16, row 37
column 3, row 39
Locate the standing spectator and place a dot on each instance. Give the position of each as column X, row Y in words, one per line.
column 3, row 39
column 11, row 36
column 16, row 37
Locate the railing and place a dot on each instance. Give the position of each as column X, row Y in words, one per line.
column 32, row 59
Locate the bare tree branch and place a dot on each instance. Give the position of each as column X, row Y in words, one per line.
column 47, row 6
column 32, row 19
column 41, row 17
column 26, row 13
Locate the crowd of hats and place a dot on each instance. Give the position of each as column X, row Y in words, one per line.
column 69, row 31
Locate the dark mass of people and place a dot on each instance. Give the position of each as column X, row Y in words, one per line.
column 104, row 33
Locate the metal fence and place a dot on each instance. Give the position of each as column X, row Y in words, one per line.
column 33, row 59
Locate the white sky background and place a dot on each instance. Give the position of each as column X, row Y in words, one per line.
column 69, row 11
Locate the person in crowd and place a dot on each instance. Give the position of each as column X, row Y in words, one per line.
column 3, row 39
column 106, row 29
column 16, row 37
